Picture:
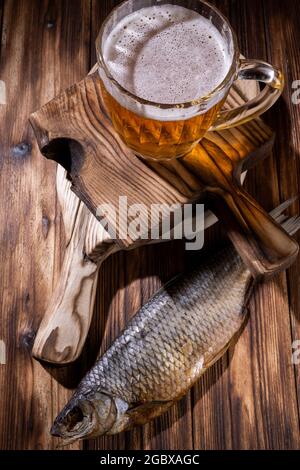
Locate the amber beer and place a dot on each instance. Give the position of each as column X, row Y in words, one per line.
column 155, row 139
column 167, row 55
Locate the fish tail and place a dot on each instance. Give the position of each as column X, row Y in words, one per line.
column 290, row 224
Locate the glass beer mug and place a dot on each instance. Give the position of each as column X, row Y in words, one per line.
column 163, row 129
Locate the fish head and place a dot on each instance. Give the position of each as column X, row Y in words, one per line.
column 85, row 416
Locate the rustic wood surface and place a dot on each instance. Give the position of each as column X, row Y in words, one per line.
column 250, row 399
column 65, row 325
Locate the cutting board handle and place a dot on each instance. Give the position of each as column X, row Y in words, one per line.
column 66, row 322
column 261, row 242
column 263, row 245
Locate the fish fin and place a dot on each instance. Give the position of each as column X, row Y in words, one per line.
column 231, row 342
column 290, row 224
column 278, row 211
column 143, row 413
column 218, row 356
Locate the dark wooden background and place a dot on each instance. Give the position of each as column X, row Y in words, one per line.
column 250, row 399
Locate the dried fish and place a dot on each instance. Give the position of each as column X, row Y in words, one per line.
column 165, row 348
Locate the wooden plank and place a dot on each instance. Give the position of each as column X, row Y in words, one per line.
column 254, row 403
column 1, row 20
column 45, row 47
column 282, row 37
column 270, row 347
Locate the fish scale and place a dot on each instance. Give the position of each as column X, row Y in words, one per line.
column 173, row 318
column 165, row 348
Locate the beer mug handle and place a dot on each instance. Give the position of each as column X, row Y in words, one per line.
column 262, row 72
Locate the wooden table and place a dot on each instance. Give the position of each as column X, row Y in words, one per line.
column 249, row 400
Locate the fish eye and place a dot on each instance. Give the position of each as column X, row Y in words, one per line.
column 74, row 417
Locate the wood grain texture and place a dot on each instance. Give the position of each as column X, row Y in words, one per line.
column 243, row 406
column 284, row 48
column 35, row 42
column 62, row 333
column 65, row 325
column 249, row 399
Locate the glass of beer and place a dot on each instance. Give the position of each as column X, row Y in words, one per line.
column 166, row 68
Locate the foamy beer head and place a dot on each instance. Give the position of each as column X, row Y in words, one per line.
column 161, row 66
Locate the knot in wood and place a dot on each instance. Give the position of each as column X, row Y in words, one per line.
column 22, row 149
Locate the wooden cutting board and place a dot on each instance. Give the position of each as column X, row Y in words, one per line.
column 63, row 331
column 75, row 130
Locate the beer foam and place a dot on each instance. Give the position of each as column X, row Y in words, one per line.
column 167, row 54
